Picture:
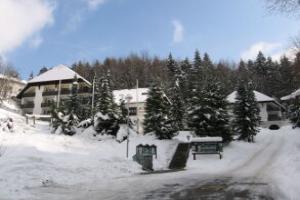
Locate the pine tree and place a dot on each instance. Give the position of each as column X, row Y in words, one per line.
column 260, row 72
column 172, row 65
column 177, row 111
column 294, row 113
column 106, row 119
column 30, row 76
column 72, row 104
column 197, row 60
column 195, row 77
column 243, row 71
column 175, row 90
column 66, row 116
column 103, row 95
column 207, row 63
column 208, row 112
column 272, row 80
column 246, row 113
column 260, row 64
column 123, row 112
column 156, row 117
column 185, row 82
column 287, row 82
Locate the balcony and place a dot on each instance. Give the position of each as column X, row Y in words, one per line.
column 45, row 104
column 30, row 94
column 28, row 105
column 65, row 91
column 55, row 92
column 84, row 90
column 274, row 117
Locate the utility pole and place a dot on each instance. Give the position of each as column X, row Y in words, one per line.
column 59, row 91
column 137, row 109
column 93, row 97
column 128, row 98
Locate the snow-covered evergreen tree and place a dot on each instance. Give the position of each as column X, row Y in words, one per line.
column 175, row 89
column 65, row 118
column 106, row 119
column 294, row 113
column 72, row 104
column 246, row 113
column 208, row 113
column 177, row 111
column 103, row 96
column 123, row 112
column 156, row 117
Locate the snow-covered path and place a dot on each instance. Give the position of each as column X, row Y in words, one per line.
column 250, row 176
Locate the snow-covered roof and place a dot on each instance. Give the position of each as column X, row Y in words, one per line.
column 207, row 139
column 137, row 95
column 60, row 72
column 260, row 97
column 291, row 96
column 2, row 76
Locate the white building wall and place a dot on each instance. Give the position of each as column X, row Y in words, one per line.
column 38, row 99
column 263, row 111
column 138, row 119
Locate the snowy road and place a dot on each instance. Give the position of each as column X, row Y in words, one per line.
column 250, row 179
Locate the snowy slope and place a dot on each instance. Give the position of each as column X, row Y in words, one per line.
column 33, row 158
column 38, row 165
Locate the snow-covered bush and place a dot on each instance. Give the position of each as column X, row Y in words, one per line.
column 65, row 123
column 7, row 124
column 85, row 123
column 294, row 114
column 106, row 123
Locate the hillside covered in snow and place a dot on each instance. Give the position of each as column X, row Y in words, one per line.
column 36, row 164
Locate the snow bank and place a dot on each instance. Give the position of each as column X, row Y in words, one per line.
column 234, row 155
column 33, row 158
column 285, row 170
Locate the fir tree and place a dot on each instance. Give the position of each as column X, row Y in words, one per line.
column 208, row 112
column 246, row 113
column 177, row 111
column 207, row 63
column 65, row 116
column 123, row 112
column 30, row 76
column 185, row 80
column 103, row 96
column 294, row 113
column 197, row 60
column 106, row 119
column 156, row 117
column 72, row 104
column 172, row 66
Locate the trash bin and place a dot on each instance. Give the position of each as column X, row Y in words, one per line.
column 144, row 156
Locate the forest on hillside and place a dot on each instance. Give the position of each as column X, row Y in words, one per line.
column 274, row 78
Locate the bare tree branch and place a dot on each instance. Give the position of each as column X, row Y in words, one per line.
column 291, row 7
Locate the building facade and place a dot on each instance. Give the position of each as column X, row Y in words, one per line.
column 135, row 101
column 53, row 85
column 271, row 112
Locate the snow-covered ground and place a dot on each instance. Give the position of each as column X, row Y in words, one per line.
column 38, row 165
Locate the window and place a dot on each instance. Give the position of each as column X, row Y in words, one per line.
column 132, row 111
